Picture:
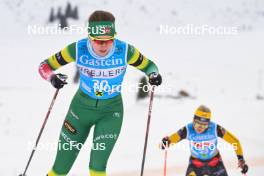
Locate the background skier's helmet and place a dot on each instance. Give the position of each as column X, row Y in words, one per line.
column 202, row 114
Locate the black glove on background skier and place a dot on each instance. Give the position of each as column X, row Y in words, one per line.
column 165, row 142
column 242, row 164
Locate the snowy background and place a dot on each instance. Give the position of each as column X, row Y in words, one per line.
column 224, row 72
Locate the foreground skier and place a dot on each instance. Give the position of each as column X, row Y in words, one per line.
column 202, row 133
column 101, row 60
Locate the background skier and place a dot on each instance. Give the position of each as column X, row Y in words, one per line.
column 205, row 157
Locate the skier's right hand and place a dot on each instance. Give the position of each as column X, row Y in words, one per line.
column 58, row 80
column 242, row 164
column 165, row 142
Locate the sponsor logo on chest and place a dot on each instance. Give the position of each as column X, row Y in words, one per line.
column 108, row 62
column 204, row 137
column 101, row 68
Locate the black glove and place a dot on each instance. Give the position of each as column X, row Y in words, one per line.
column 165, row 142
column 244, row 169
column 242, row 164
column 155, row 79
column 58, row 80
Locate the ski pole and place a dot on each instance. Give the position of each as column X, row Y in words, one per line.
column 40, row 132
column 165, row 162
column 147, row 130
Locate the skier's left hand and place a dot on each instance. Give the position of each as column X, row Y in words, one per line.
column 155, row 79
column 242, row 164
column 165, row 142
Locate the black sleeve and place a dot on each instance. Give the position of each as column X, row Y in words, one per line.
column 182, row 133
column 220, row 131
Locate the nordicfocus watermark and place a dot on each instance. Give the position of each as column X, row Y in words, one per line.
column 191, row 29
column 103, row 87
column 69, row 30
column 68, row 144
column 202, row 146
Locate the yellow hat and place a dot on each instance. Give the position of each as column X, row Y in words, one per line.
column 203, row 112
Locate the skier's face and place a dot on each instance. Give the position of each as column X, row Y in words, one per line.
column 102, row 47
column 199, row 126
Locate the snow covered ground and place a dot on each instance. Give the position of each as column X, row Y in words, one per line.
column 222, row 72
